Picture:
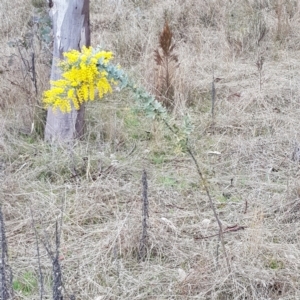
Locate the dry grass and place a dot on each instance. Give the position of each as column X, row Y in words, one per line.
column 246, row 157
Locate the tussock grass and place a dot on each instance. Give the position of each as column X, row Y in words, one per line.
column 96, row 184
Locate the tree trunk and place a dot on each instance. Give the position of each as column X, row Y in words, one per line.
column 71, row 30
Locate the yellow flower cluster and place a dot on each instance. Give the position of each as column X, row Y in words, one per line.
column 80, row 79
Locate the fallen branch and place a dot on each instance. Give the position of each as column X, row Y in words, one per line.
column 226, row 230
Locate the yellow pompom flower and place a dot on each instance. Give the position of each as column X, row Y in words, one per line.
column 80, row 80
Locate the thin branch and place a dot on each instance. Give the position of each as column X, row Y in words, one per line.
column 56, row 268
column 41, row 278
column 212, row 206
column 213, row 98
column 33, row 71
column 227, row 230
column 145, row 214
column 57, row 276
column 5, row 271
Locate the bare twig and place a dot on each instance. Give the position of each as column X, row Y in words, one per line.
column 41, row 278
column 259, row 65
column 6, row 291
column 57, row 276
column 246, row 207
column 55, row 257
column 145, row 214
column 212, row 206
column 213, row 98
column 33, row 71
column 226, row 230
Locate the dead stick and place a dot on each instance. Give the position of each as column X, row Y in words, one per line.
column 225, row 231
column 212, row 207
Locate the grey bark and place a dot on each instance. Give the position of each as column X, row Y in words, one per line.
column 71, row 29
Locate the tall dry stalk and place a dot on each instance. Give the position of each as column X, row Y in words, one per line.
column 283, row 26
column 167, row 63
column 213, row 99
column 56, row 267
column 212, row 206
column 259, row 65
column 41, row 277
column 6, row 290
column 145, row 214
column 211, row 202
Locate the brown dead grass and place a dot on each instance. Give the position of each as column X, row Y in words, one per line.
column 246, row 157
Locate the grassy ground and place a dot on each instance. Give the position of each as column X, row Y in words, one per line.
column 248, row 156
